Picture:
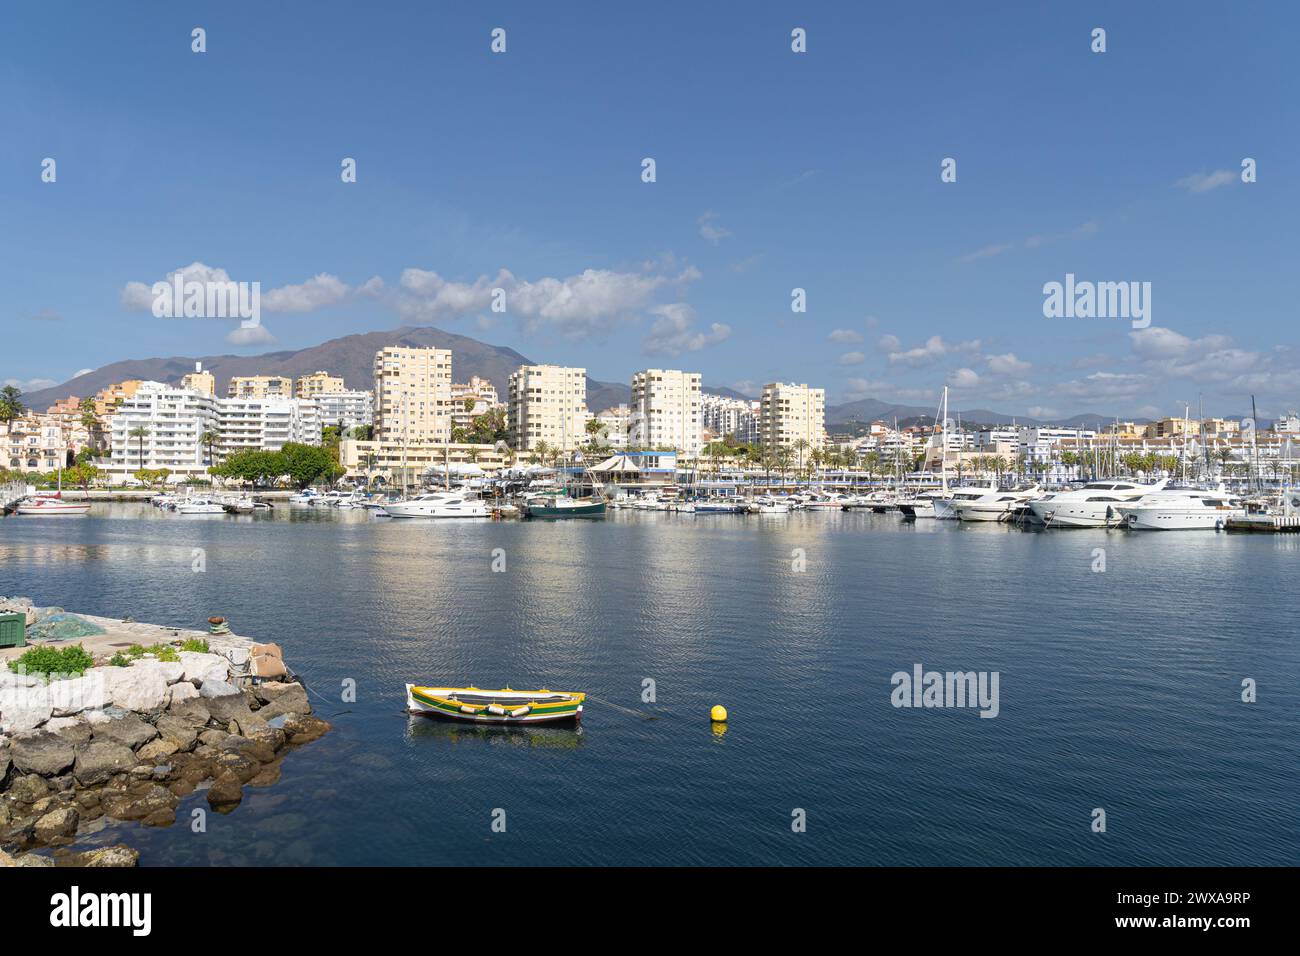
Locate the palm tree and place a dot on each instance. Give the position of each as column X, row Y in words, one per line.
column 209, row 438
column 800, row 445
column 141, row 433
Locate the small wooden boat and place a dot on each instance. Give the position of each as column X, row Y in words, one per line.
column 494, row 706
column 562, row 506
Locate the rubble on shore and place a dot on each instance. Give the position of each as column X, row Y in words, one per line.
column 128, row 741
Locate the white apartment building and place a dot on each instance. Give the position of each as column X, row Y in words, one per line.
column 175, row 420
column 666, row 411
column 547, row 403
column 265, row 424
column 1039, row 444
column 614, row 422
column 412, row 396
column 788, row 413
column 483, row 394
column 731, row 416
column 346, row 409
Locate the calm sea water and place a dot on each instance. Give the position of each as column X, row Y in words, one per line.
column 1118, row 690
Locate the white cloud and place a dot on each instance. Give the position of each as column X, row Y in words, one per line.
column 256, row 335
column 31, row 384
column 844, row 337
column 138, row 296
column 963, row 378
column 1204, row 182
column 889, row 343
column 852, row 358
column 934, row 349
column 591, row 302
column 45, row 315
column 81, row 372
column 710, row 230
column 674, row 332
column 987, row 252
column 1042, row 411
column 316, row 293
column 1007, row 364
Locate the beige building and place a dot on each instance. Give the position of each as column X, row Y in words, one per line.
column 788, row 413
column 547, row 403
column 200, row 381
column 317, row 383
column 412, row 396
column 260, row 386
column 367, row 460
column 478, row 390
column 666, row 411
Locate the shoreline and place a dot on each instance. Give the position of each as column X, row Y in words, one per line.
column 128, row 740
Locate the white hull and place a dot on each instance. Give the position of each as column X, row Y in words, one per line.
column 1082, row 515
column 426, row 509
column 996, row 512
column 1166, row 519
column 59, row 508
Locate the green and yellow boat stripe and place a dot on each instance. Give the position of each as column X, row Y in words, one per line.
column 453, row 707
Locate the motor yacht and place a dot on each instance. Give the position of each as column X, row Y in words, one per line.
column 1095, row 505
column 200, row 506
column 945, row 508
column 1181, row 509
column 994, row 506
column 438, row 504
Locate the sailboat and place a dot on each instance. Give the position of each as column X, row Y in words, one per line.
column 925, row 505
column 47, row 503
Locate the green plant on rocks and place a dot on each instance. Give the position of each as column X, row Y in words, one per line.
column 46, row 661
column 118, row 660
column 196, row 645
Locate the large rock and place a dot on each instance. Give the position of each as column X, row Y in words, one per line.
column 24, row 707
column 10, row 678
column 101, row 759
column 280, row 698
column 300, row 729
column 60, row 824
column 172, row 671
column 178, row 730
column 146, row 801
column 120, row 855
column 128, row 729
column 226, row 791
column 28, row 788
column 183, row 690
column 234, row 708
column 74, row 730
column 42, row 753
column 77, row 694
column 200, row 668
column 194, row 711
column 214, row 689
column 141, row 687
column 157, row 750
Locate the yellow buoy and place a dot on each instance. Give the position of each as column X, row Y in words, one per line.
column 718, row 713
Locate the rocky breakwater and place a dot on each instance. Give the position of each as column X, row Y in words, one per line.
column 132, row 736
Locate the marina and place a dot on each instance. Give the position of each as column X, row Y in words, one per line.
column 711, row 610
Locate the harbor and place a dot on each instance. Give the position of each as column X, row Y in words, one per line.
column 793, row 621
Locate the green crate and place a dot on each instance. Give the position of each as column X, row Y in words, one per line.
column 13, row 630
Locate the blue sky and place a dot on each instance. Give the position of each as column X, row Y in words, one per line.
column 775, row 170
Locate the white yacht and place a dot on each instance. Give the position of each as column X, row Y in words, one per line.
column 994, row 506
column 304, row 498
column 200, row 506
column 1182, row 509
column 1095, row 505
column 438, row 504
column 767, row 505
column 922, row 505
column 946, row 508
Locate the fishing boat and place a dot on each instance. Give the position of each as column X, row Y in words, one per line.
column 504, row 706
column 562, row 506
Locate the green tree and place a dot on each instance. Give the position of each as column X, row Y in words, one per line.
column 11, row 405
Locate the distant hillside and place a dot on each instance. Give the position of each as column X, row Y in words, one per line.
column 351, row 356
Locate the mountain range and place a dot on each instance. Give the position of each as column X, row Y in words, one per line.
column 353, row 356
